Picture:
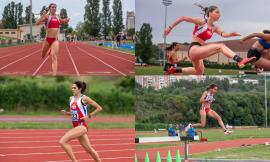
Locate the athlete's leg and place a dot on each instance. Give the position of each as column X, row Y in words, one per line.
column 54, row 53
column 203, row 120
column 263, row 63
column 214, row 115
column 84, row 141
column 71, row 134
column 45, row 48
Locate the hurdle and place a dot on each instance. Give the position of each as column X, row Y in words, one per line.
column 184, row 139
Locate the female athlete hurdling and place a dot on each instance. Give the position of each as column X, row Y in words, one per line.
column 258, row 49
column 173, row 59
column 203, row 31
column 206, row 100
column 78, row 111
column 51, row 44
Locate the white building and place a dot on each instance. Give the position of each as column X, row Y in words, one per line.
column 130, row 21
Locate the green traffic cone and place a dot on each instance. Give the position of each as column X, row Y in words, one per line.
column 135, row 158
column 146, row 158
column 178, row 156
column 158, row 159
column 169, row 157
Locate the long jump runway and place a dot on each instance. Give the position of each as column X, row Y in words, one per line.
column 113, row 145
column 73, row 59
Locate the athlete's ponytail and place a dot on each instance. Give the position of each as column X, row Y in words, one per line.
column 211, row 86
column 206, row 10
column 81, row 85
column 266, row 31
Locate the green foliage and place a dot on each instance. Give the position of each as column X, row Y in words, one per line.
column 27, row 16
column 21, row 94
column 106, row 18
column 117, row 17
column 12, row 16
column 63, row 15
column 238, row 104
column 144, row 45
column 92, row 18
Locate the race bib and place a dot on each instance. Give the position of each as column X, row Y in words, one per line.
column 74, row 115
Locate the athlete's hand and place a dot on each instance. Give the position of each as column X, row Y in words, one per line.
column 64, row 112
column 167, row 31
column 84, row 118
column 44, row 12
column 235, row 34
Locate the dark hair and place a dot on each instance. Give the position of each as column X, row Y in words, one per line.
column 81, row 85
column 206, row 10
column 172, row 46
column 51, row 5
column 211, row 86
column 266, row 31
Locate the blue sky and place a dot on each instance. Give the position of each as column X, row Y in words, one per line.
column 75, row 8
column 243, row 16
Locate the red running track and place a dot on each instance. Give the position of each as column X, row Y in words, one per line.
column 113, row 145
column 200, row 147
column 73, row 59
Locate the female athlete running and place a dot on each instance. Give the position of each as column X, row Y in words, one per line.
column 204, row 29
column 259, row 48
column 52, row 23
column 173, row 59
column 78, row 112
column 205, row 109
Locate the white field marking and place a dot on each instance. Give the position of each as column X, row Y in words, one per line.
column 11, row 54
column 110, row 66
column 55, row 153
column 114, row 158
column 100, row 72
column 19, row 60
column 35, row 73
column 91, row 136
column 37, row 147
column 56, row 141
column 109, row 49
column 72, row 60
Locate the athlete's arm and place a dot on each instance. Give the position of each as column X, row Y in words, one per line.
column 42, row 18
column 89, row 101
column 64, row 21
column 259, row 35
column 66, row 112
column 203, row 100
column 197, row 21
column 226, row 34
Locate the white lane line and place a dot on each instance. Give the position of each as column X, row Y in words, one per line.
column 100, row 60
column 19, row 60
column 55, row 153
column 72, row 60
column 105, row 72
column 119, row 139
column 11, row 54
column 91, row 136
column 35, row 73
column 114, row 158
column 56, row 146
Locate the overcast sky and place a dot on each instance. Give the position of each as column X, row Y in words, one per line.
column 243, row 16
column 75, row 8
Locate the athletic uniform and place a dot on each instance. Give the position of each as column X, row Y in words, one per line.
column 78, row 110
column 53, row 22
column 171, row 68
column 203, row 32
column 254, row 52
column 209, row 98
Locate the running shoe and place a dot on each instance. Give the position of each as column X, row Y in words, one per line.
column 245, row 61
column 227, row 131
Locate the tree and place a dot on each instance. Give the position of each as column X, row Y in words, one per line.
column 80, row 31
column 92, row 18
column 42, row 32
column 117, row 17
column 27, row 16
column 20, row 11
column 144, row 44
column 131, row 32
column 12, row 15
column 63, row 15
column 106, row 18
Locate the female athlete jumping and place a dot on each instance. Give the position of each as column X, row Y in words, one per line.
column 78, row 111
column 259, row 48
column 52, row 23
column 205, row 109
column 173, row 59
column 204, row 29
